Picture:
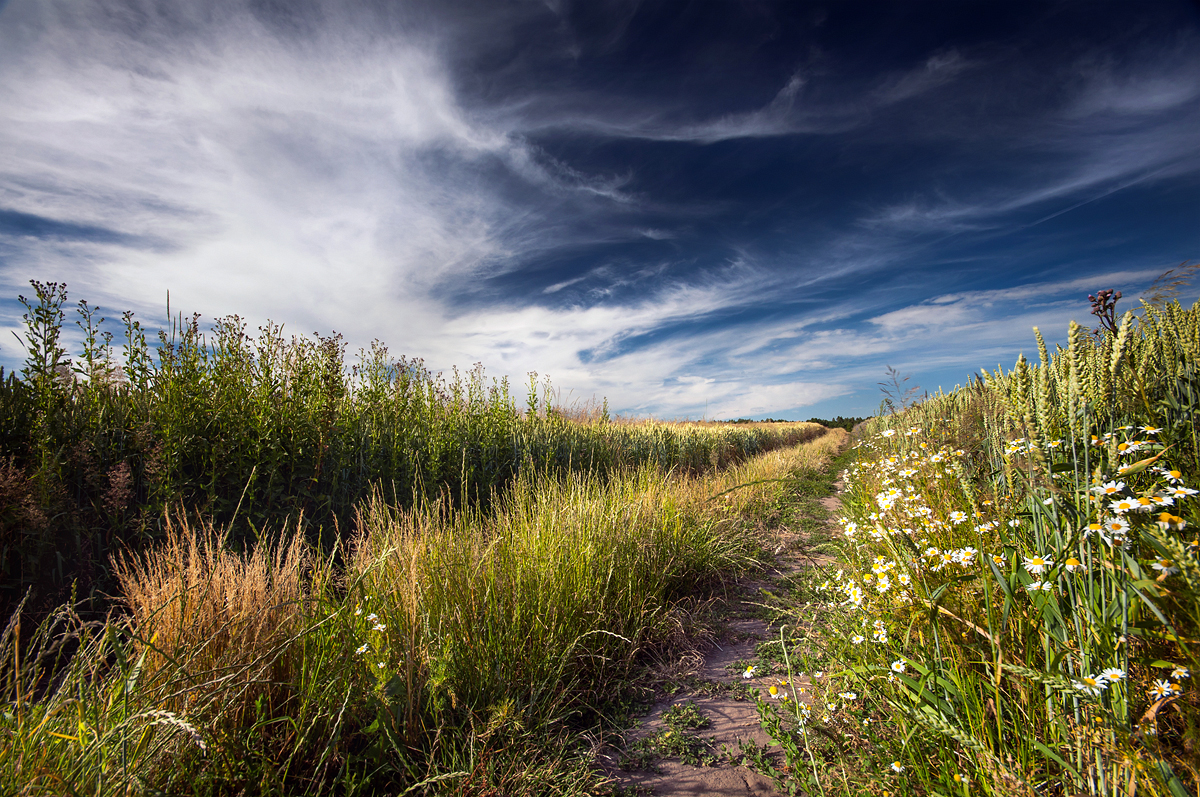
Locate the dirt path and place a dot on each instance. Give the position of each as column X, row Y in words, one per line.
column 720, row 696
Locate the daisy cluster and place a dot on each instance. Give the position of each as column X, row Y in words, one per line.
column 1170, row 686
column 1118, row 504
column 1095, row 684
column 376, row 640
column 913, row 527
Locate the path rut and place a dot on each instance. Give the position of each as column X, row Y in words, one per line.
column 733, row 718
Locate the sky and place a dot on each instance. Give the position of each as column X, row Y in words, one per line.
column 708, row 209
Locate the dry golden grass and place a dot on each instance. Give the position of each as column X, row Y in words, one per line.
column 753, row 481
column 209, row 617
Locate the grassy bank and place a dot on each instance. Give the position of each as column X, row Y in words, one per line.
column 1017, row 605
column 456, row 650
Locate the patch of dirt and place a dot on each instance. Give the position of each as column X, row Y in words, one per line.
column 718, row 691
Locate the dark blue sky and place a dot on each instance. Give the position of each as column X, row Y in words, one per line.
column 721, row 208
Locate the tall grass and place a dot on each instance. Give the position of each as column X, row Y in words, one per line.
column 1021, row 602
column 265, row 431
column 455, row 650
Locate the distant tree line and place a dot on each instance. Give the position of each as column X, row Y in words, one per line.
column 837, row 423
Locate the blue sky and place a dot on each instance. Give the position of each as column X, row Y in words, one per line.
column 692, row 208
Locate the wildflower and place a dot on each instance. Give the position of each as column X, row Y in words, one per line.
column 1122, row 506
column 1173, row 476
column 1161, row 689
column 957, row 517
column 372, row 617
column 848, row 695
column 1090, row 684
column 854, row 595
column 1166, row 521
column 1165, row 566
column 1181, row 492
column 358, row 611
column 363, row 649
column 749, row 673
column 1109, row 488
column 818, row 674
column 899, row 665
column 889, row 432
column 1044, row 586
column 858, row 639
column 1162, row 500
column 961, row 778
column 1150, row 429
column 1113, row 675
column 1000, row 558
column 1073, row 565
column 1036, row 565
column 897, row 767
column 378, row 627
column 1179, row 673
column 380, row 665
column 1014, row 523
column 904, row 579
column 1116, row 526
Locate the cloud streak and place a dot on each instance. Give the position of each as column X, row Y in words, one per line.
column 752, row 217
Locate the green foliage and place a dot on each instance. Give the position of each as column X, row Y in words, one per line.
column 838, row 423
column 677, row 740
column 1020, row 602
column 258, row 432
column 462, row 588
column 455, row 651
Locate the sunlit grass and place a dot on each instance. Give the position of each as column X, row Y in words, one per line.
column 457, row 648
column 1019, row 596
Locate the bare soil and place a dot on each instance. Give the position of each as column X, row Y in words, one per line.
column 718, row 691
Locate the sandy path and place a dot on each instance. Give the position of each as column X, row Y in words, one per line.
column 733, row 717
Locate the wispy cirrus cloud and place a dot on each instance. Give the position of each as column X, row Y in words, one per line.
column 746, row 217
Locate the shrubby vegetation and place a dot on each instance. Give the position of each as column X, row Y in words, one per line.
column 838, row 423
column 256, row 433
column 330, row 581
column 1019, row 606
